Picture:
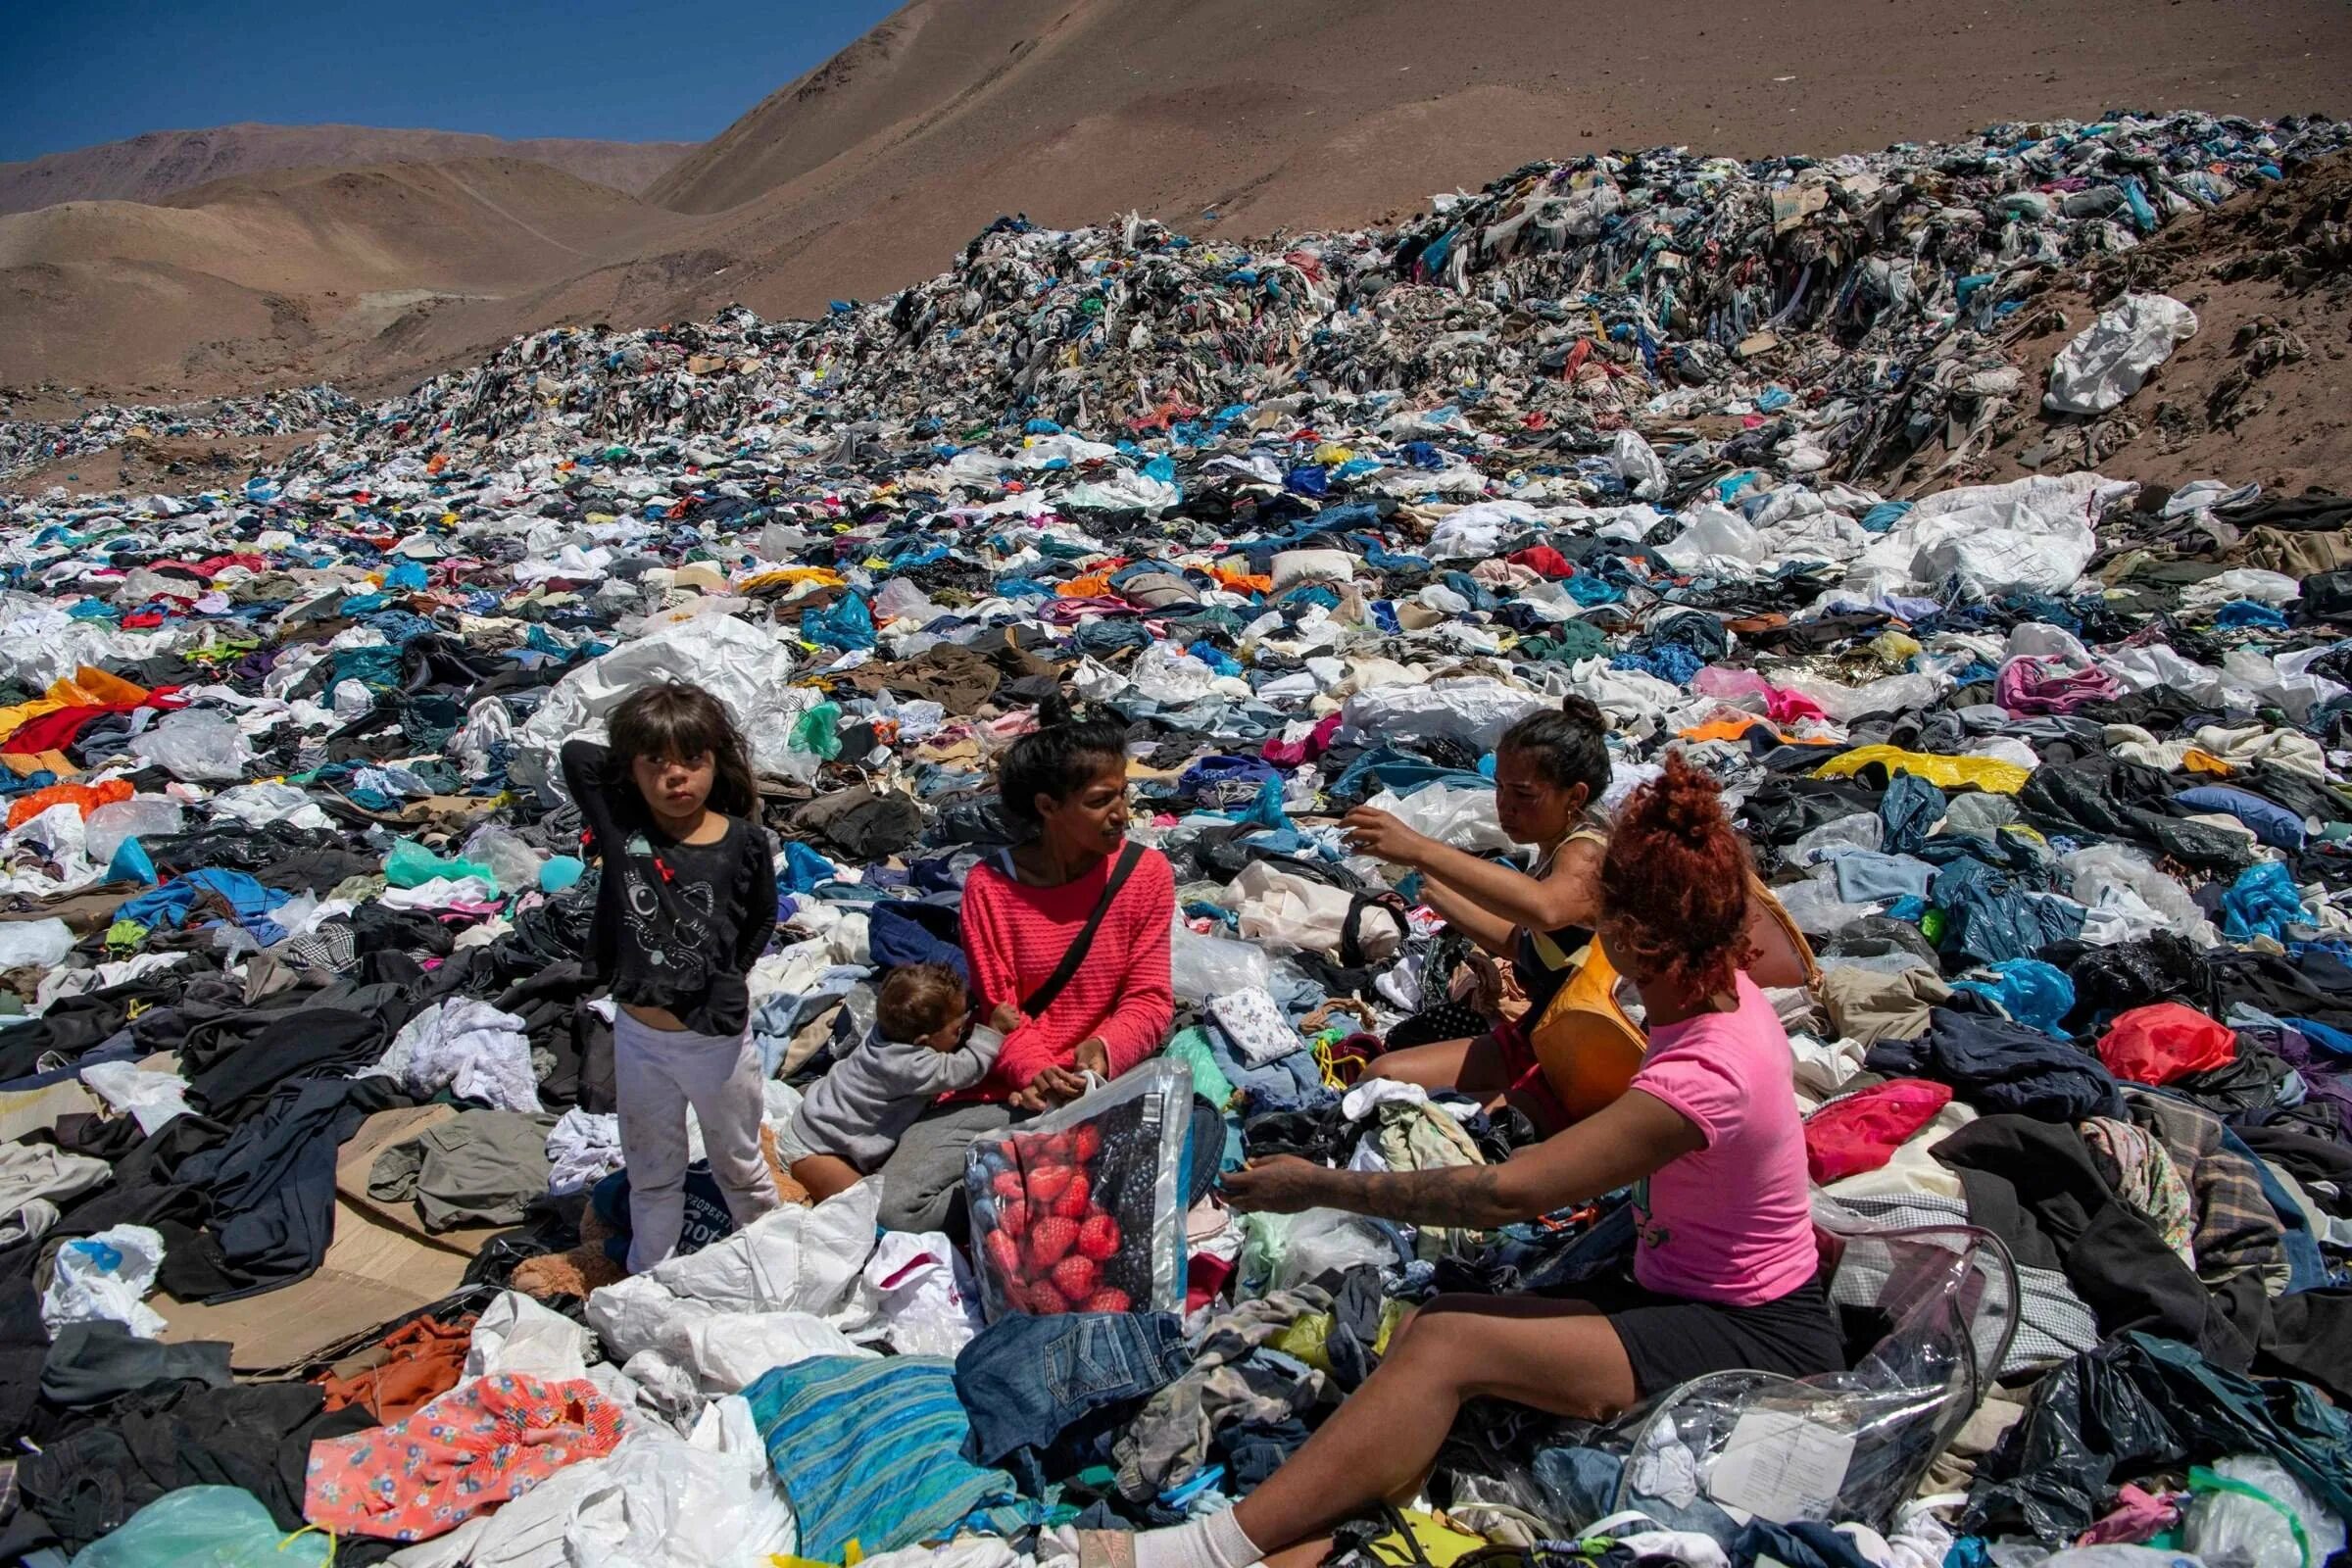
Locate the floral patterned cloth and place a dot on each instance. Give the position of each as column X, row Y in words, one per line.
column 471, row 1449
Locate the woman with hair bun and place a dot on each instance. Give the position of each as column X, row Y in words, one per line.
column 1551, row 769
column 1725, row 1273
column 1069, row 929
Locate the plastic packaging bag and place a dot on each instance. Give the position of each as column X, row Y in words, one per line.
column 106, row 1276
column 143, row 816
column 1847, row 1446
column 2249, row 1512
column 35, row 944
column 512, row 860
column 1462, row 817
column 412, row 866
column 1082, row 1209
column 206, row 1527
column 1201, row 966
column 201, row 748
column 2107, row 360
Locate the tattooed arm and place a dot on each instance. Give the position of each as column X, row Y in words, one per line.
column 1621, row 1144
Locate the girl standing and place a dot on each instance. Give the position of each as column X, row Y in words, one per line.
column 686, row 903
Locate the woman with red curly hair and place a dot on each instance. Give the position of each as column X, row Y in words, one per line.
column 1724, row 1272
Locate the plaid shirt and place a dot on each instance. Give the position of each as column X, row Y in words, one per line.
column 2236, row 1229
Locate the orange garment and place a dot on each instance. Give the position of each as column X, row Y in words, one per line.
column 90, row 797
column 1242, row 582
column 424, row 1359
column 1092, row 586
column 1727, row 729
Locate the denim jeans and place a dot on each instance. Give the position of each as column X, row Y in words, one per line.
column 1028, row 1382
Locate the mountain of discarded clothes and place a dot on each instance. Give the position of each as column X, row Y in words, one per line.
column 312, row 1155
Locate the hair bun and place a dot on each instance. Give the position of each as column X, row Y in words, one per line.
column 1055, row 711
column 1584, row 710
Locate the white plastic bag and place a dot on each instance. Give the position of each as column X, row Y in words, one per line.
column 106, row 1276
column 924, row 1301
column 2108, row 360
column 142, row 816
column 790, row 1260
column 154, row 1097
column 515, row 1333
column 198, row 747
column 2257, row 1516
column 1202, row 966
column 1458, row 815
column 35, row 944
column 1472, row 709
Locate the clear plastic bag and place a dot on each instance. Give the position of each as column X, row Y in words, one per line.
column 2249, row 1512
column 1200, row 967
column 207, row 1527
column 143, row 816
column 1849, row 1445
column 1082, row 1209
column 202, row 748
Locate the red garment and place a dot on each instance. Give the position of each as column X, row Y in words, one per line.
column 54, row 732
column 1290, row 754
column 1862, row 1131
column 2157, row 1043
column 422, row 1361
column 88, row 796
column 1015, row 937
column 1544, row 562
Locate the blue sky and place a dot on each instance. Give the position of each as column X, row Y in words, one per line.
column 74, row 72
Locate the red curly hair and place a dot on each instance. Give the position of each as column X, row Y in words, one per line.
column 1673, row 884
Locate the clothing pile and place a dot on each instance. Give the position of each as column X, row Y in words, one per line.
column 307, row 1077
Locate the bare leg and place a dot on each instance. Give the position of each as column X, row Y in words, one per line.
column 1474, row 1067
column 1559, row 1356
column 824, row 1175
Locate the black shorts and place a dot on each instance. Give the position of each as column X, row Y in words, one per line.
column 1670, row 1339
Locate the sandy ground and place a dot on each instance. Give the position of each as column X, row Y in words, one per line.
column 1226, row 117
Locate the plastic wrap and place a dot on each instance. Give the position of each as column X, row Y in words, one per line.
column 1082, row 1209
column 206, row 1527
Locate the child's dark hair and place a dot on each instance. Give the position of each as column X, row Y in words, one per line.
column 1054, row 758
column 1674, row 883
column 1566, row 746
column 678, row 721
column 919, row 999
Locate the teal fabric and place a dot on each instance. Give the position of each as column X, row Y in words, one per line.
column 872, row 1452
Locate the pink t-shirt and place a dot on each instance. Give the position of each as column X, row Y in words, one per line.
column 1732, row 1223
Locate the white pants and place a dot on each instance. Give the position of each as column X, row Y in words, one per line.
column 657, row 1074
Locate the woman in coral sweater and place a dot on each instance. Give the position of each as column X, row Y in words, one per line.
column 1064, row 787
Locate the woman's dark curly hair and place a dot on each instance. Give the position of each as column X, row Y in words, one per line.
column 1673, row 884
column 1054, row 758
column 1567, row 746
column 678, row 721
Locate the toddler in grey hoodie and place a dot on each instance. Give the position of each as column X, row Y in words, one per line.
column 853, row 1116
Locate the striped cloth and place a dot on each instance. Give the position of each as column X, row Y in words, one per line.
column 872, row 1451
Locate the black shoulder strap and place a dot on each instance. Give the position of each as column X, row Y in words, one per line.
column 1038, row 1001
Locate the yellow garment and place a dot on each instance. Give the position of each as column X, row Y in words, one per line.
column 2196, row 760
column 1440, row 1544
column 795, row 574
column 88, row 688
column 1945, row 772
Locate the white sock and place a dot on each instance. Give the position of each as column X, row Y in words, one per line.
column 1212, row 1541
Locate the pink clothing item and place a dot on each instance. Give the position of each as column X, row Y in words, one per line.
column 2136, row 1519
column 1731, row 1222
column 1015, row 937
column 472, row 1449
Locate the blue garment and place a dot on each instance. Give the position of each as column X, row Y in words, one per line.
column 872, row 1451
column 2306, row 1268
column 1989, row 916
column 1029, row 1383
column 2262, row 901
column 172, row 904
column 847, row 624
column 1867, row 877
column 1997, row 1066
column 899, row 932
column 2034, row 992
column 2274, row 824
column 1908, row 812
column 803, row 868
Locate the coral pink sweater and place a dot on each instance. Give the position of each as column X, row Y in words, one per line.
column 1015, row 935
